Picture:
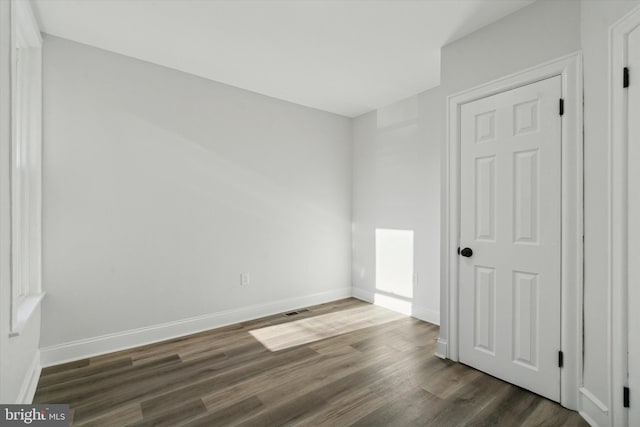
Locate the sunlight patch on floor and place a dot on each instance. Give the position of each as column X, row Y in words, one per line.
column 303, row 331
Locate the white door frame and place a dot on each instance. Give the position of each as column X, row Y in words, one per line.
column 570, row 68
column 618, row 214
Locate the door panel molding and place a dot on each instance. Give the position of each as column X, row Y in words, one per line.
column 515, row 234
column 569, row 67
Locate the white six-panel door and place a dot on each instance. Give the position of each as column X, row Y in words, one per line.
column 510, row 217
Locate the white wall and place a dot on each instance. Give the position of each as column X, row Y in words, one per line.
column 596, row 20
column 131, row 148
column 161, row 188
column 540, row 32
column 396, row 186
column 398, row 150
column 18, row 355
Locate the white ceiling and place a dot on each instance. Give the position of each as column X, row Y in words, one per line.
column 346, row 57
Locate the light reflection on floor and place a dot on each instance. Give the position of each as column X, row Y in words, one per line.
column 303, row 331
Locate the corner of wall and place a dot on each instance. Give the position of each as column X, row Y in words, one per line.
column 416, row 311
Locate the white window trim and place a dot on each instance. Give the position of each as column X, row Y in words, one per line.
column 26, row 165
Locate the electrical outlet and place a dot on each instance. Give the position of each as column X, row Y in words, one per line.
column 244, row 279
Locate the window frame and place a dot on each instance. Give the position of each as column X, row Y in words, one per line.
column 26, row 165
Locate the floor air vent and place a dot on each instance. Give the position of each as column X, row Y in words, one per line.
column 293, row 313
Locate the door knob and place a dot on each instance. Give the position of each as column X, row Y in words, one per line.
column 466, row 252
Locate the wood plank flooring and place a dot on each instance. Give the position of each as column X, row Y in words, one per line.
column 336, row 364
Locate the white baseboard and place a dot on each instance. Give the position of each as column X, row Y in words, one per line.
column 90, row 347
column 426, row 314
column 30, row 383
column 592, row 409
column 362, row 295
column 441, row 349
column 588, row 419
column 414, row 310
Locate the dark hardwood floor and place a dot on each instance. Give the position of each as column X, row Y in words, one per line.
column 337, row 364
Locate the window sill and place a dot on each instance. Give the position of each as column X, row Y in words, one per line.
column 26, row 308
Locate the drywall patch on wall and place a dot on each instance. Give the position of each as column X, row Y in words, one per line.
column 397, row 113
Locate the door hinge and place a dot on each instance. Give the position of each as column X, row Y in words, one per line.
column 625, row 397
column 625, row 77
column 560, row 359
column 561, row 107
